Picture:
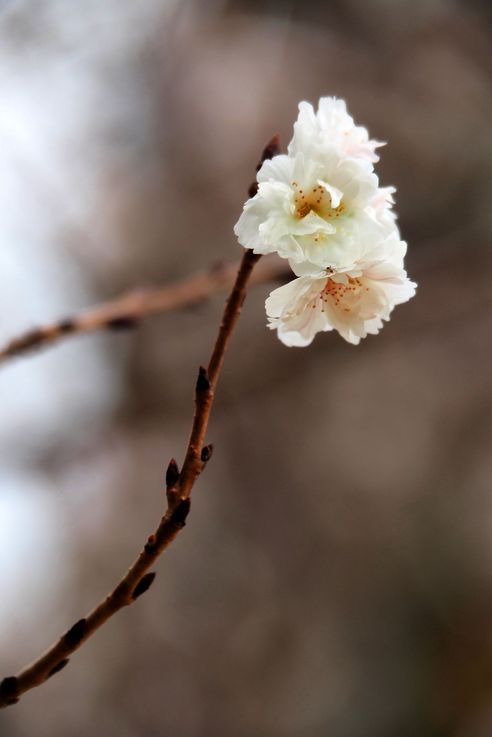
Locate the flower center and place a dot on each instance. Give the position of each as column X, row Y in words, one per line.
column 315, row 199
column 344, row 296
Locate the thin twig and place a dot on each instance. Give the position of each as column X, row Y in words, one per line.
column 179, row 487
column 125, row 311
column 137, row 580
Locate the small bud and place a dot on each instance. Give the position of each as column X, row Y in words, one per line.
column 58, row 667
column 150, row 544
column 9, row 690
column 271, row 149
column 143, row 585
column 172, row 473
column 181, row 512
column 203, row 382
column 67, row 325
column 122, row 323
column 75, row 634
column 206, row 453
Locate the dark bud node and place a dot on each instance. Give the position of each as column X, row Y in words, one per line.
column 58, row 667
column 172, row 473
column 75, row 634
column 9, row 690
column 144, row 584
column 271, row 149
column 206, row 453
column 67, row 325
column 203, row 382
column 180, row 513
column 150, row 544
column 122, row 323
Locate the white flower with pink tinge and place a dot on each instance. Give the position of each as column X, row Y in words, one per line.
column 319, row 199
column 332, row 128
column 320, row 207
column 307, row 209
column 354, row 300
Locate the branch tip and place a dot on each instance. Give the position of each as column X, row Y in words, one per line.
column 271, row 149
column 253, row 189
column 143, row 585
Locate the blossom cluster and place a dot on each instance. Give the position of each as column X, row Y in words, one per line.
column 320, row 207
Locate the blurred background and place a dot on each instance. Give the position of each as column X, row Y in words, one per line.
column 335, row 576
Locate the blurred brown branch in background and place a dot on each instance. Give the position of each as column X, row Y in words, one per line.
column 125, row 311
column 179, row 485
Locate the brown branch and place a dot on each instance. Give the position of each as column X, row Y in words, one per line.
column 179, row 487
column 127, row 310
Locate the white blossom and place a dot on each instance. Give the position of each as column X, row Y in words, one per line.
column 331, row 127
column 353, row 300
column 380, row 209
column 320, row 207
column 310, row 210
